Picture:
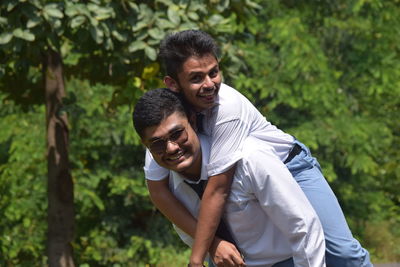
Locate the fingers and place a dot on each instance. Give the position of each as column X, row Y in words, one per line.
column 238, row 261
column 225, row 254
column 235, row 261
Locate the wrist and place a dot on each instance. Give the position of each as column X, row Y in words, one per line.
column 214, row 244
column 192, row 264
column 195, row 262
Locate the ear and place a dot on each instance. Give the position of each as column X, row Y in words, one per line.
column 171, row 84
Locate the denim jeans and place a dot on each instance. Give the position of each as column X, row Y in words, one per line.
column 342, row 249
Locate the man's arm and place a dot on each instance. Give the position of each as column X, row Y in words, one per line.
column 170, row 206
column 221, row 251
column 211, row 208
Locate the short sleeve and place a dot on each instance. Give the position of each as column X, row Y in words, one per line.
column 152, row 170
column 229, row 124
column 227, row 139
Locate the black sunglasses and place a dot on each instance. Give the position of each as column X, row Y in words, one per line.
column 160, row 145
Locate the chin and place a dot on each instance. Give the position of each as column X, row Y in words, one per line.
column 181, row 166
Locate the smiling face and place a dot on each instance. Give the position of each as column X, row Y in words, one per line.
column 182, row 148
column 199, row 81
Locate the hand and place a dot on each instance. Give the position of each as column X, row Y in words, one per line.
column 225, row 254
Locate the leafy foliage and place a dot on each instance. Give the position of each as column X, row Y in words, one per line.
column 326, row 72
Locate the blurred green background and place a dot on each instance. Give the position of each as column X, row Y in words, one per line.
column 327, row 72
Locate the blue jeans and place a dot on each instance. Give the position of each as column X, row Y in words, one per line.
column 342, row 249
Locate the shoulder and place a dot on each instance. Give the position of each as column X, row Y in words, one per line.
column 231, row 103
column 228, row 95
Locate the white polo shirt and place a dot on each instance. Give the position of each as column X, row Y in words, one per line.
column 268, row 214
column 228, row 123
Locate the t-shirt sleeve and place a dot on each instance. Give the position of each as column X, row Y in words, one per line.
column 227, row 139
column 230, row 123
column 153, row 171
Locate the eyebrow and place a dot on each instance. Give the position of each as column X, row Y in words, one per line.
column 172, row 130
column 216, row 66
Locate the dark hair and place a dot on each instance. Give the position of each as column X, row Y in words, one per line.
column 176, row 48
column 154, row 106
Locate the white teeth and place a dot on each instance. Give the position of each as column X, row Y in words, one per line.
column 177, row 156
column 207, row 94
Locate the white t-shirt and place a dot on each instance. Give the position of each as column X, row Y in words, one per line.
column 228, row 123
column 268, row 214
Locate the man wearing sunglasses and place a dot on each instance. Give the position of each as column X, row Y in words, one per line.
column 267, row 213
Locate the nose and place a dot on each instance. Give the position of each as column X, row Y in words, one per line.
column 208, row 83
column 171, row 147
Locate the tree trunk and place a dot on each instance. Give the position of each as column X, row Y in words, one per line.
column 60, row 213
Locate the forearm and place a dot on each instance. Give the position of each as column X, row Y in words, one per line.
column 171, row 207
column 212, row 205
column 209, row 217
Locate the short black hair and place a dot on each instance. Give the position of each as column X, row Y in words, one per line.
column 156, row 105
column 176, row 48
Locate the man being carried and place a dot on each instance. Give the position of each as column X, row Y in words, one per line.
column 267, row 213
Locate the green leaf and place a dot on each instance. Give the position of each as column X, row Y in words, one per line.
column 193, row 15
column 215, row 19
column 187, row 26
column 93, row 21
column 24, row 34
column 53, row 10
column 97, row 34
column 36, row 3
column 104, row 13
column 165, row 2
column 156, row 33
column 133, row 6
column 252, row 4
column 118, row 36
column 93, row 8
column 3, row 21
column 137, row 45
column 109, row 44
column 77, row 21
column 164, row 24
column 173, row 15
column 105, row 29
column 33, row 22
column 150, row 52
column 11, row 5
column 72, row 10
column 140, row 25
column 56, row 24
column 72, row 58
column 5, row 38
